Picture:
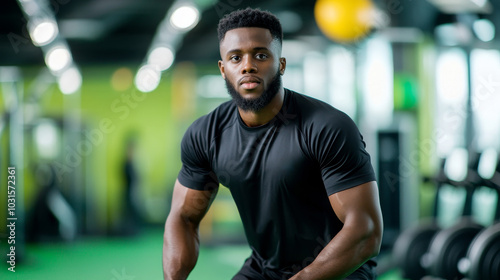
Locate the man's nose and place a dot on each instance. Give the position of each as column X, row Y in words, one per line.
column 249, row 65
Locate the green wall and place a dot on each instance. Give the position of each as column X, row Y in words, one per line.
column 111, row 110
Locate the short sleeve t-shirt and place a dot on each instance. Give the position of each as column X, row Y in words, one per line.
column 280, row 174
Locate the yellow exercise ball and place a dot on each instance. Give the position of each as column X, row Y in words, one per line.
column 344, row 20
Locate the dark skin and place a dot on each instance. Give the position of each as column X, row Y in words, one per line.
column 250, row 59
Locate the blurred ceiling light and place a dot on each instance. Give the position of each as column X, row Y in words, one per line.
column 484, row 30
column 163, row 57
column 43, row 32
column 58, row 58
column 185, row 17
column 147, row 78
column 70, row 81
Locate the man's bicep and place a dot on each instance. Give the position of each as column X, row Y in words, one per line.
column 191, row 204
column 358, row 204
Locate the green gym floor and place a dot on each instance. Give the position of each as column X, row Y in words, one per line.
column 124, row 258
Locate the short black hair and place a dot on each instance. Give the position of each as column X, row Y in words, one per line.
column 250, row 18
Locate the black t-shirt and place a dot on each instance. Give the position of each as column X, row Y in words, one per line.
column 280, row 174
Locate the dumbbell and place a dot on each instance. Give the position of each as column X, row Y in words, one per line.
column 483, row 256
column 448, row 246
column 413, row 243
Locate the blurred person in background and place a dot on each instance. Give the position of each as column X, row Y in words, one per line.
column 131, row 217
column 296, row 167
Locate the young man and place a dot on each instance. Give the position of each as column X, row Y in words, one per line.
column 296, row 167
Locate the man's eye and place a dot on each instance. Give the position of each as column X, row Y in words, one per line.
column 235, row 58
column 261, row 56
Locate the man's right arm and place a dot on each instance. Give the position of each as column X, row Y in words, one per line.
column 181, row 240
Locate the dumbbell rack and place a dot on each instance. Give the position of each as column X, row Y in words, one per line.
column 429, row 252
column 449, row 245
column 482, row 261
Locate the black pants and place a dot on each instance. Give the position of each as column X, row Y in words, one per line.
column 251, row 270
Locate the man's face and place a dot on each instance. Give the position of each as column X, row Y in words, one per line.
column 251, row 66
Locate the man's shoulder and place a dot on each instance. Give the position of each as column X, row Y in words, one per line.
column 212, row 123
column 317, row 112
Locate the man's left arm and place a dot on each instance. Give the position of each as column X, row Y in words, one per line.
column 358, row 208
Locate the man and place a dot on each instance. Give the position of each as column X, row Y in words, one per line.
column 296, row 167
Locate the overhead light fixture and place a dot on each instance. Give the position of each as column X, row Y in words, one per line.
column 147, row 78
column 163, row 57
column 43, row 32
column 70, row 81
column 182, row 16
column 58, row 58
column 185, row 17
column 484, row 30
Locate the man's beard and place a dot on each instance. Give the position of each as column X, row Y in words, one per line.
column 256, row 104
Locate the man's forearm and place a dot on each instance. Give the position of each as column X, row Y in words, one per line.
column 180, row 248
column 342, row 256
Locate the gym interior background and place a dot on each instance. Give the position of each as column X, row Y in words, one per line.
column 96, row 95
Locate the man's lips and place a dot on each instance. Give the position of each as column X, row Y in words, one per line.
column 249, row 85
column 250, row 82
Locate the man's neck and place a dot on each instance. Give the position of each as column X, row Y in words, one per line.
column 253, row 119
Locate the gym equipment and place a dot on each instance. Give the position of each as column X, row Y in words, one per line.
column 450, row 245
column 410, row 251
column 412, row 243
column 410, row 246
column 344, row 21
column 483, row 256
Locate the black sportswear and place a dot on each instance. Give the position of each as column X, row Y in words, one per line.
column 280, row 174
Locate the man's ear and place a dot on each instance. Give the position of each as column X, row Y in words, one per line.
column 221, row 69
column 282, row 65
